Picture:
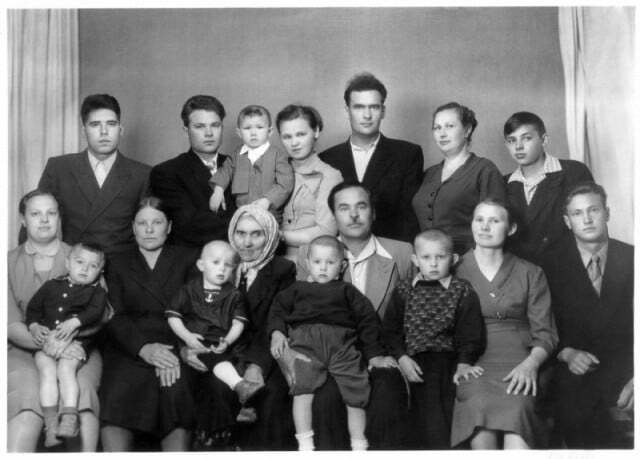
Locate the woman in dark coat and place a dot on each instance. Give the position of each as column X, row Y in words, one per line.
column 144, row 389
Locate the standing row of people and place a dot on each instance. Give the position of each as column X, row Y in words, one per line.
column 98, row 192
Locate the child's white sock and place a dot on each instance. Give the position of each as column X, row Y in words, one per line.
column 305, row 441
column 227, row 373
column 359, row 444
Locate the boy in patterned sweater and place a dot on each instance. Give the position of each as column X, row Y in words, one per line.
column 434, row 328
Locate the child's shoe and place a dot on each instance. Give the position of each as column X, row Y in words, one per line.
column 247, row 389
column 247, row 415
column 69, row 425
column 50, row 426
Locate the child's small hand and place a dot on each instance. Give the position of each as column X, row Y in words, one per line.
column 222, row 346
column 278, row 344
column 410, row 369
column 39, row 333
column 216, row 201
column 193, row 340
column 66, row 328
column 464, row 370
column 262, row 202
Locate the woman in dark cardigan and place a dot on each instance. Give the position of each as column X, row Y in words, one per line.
column 144, row 389
column 451, row 189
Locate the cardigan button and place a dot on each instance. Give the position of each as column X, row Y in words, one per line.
column 60, row 309
column 64, row 295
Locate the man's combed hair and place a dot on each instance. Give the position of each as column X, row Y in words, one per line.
column 524, row 118
column 585, row 188
column 364, row 81
column 201, row 102
column 98, row 102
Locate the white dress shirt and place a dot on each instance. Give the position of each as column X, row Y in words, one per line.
column 362, row 156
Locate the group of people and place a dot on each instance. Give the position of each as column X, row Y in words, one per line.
column 271, row 299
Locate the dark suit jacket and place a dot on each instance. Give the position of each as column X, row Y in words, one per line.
column 393, row 176
column 601, row 325
column 183, row 184
column 540, row 223
column 273, row 278
column 92, row 214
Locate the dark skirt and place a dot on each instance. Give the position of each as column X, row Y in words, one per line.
column 131, row 397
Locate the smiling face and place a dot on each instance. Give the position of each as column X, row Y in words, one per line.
column 432, row 258
column 254, row 130
column 366, row 111
column 587, row 218
column 324, row 263
column 449, row 132
column 41, row 218
column 217, row 264
column 298, row 138
column 84, row 265
column 151, row 228
column 204, row 131
column 249, row 238
column 102, row 130
column 490, row 226
column 526, row 145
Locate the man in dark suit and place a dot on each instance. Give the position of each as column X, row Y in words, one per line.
column 98, row 189
column 183, row 182
column 591, row 281
column 390, row 168
column 375, row 266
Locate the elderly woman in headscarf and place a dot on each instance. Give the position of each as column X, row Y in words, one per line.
column 253, row 232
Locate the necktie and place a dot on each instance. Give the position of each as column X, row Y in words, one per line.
column 595, row 272
column 213, row 167
column 101, row 173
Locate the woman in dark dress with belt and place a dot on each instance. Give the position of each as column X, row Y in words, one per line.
column 451, row 189
column 144, row 389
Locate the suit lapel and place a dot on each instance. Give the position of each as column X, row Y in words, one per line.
column 163, row 268
column 547, row 191
column 346, row 165
column 111, row 188
column 378, row 165
column 379, row 276
column 84, row 176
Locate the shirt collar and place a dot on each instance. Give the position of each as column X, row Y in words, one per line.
column 308, row 166
column 255, row 152
column 49, row 250
column 445, row 281
column 207, row 162
column 107, row 162
column 585, row 255
column 366, row 148
column 551, row 164
column 373, row 247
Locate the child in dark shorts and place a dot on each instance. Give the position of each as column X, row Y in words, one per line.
column 59, row 308
column 209, row 313
column 324, row 319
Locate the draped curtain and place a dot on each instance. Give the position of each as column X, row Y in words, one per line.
column 43, row 63
column 597, row 45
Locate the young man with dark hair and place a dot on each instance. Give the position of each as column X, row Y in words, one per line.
column 390, row 168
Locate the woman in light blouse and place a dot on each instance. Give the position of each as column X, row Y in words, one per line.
column 307, row 214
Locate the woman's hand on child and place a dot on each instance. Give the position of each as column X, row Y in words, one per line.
column 410, row 369
column 523, row 378
column 464, row 370
column 278, row 343
column 216, row 201
column 262, row 202
column 66, row 328
column 39, row 333
column 53, row 346
column 194, row 341
column 168, row 376
column 74, row 351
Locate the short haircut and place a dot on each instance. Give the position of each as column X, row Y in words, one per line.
column 343, row 186
column 201, row 102
column 22, row 205
column 89, row 247
column 490, row 201
column 292, row 112
column 155, row 203
column 221, row 244
column 435, row 235
column 253, row 110
column 465, row 114
column 364, row 81
column 327, row 241
column 520, row 119
column 98, row 102
column 585, row 188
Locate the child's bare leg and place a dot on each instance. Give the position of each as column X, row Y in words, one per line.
column 227, row 373
column 357, row 421
column 47, row 368
column 302, row 420
column 68, row 377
